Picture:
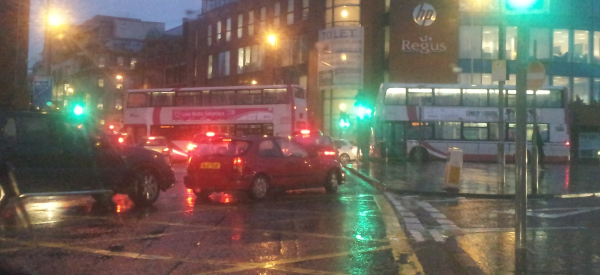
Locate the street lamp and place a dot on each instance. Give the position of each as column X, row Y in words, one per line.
column 272, row 39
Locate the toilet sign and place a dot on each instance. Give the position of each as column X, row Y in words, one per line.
column 536, row 74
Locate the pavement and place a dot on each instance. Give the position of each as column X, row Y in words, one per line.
column 478, row 180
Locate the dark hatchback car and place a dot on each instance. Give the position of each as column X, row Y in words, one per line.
column 53, row 154
column 257, row 165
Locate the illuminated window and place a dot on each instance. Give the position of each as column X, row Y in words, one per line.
column 511, row 43
column 305, row 10
column 290, row 12
column 101, row 62
column 250, row 22
column 560, row 49
column 240, row 31
column 489, row 42
column 342, row 13
column 100, row 82
column 597, row 47
column 276, row 14
column 133, row 62
column 581, row 44
column 228, row 33
column 120, row 60
column 210, row 67
column 263, row 18
column 218, row 31
column 541, row 39
column 581, row 89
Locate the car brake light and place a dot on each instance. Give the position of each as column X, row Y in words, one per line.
column 567, row 143
column 121, row 140
column 329, row 153
column 210, row 134
column 191, row 146
column 151, row 138
column 305, row 132
column 166, row 150
column 238, row 164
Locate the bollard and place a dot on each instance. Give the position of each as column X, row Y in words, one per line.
column 453, row 167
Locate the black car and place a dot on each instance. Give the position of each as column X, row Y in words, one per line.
column 45, row 154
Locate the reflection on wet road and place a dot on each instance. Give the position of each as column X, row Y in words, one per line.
column 299, row 232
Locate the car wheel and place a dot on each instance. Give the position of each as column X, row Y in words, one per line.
column 344, row 158
column 145, row 187
column 259, row 188
column 331, row 185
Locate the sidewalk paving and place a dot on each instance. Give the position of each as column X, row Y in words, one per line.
column 478, row 179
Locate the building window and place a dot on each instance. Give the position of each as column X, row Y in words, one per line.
column 511, row 43
column 470, row 42
column 100, row 82
column 596, row 93
column 209, row 36
column 293, row 51
column 250, row 22
column 240, row 25
column 118, row 103
column 305, row 10
column 342, row 13
column 218, row 31
column 541, row 39
column 263, row 18
column 120, row 60
column 133, row 62
column 250, row 58
column 290, row 12
column 276, row 14
column 119, row 86
column 581, row 89
column 489, row 42
column 597, row 47
column 560, row 48
column 210, row 67
column 224, row 63
column 386, row 46
column 581, row 42
column 101, row 62
column 100, row 104
column 228, row 33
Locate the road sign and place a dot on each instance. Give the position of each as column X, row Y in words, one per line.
column 536, row 74
column 499, row 70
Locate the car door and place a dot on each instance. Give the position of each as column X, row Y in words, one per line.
column 298, row 164
column 272, row 162
column 33, row 151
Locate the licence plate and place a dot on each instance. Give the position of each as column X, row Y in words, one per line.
column 210, row 165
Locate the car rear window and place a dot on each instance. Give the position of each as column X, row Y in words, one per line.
column 155, row 142
column 222, row 147
column 313, row 140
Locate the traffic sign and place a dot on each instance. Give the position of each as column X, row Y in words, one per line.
column 536, row 74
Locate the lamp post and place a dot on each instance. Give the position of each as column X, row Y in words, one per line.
column 272, row 39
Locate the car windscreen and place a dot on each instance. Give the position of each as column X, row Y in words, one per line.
column 313, row 140
column 154, row 142
column 222, row 148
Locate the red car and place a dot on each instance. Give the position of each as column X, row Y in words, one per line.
column 257, row 165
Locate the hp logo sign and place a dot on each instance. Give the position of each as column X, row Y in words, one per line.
column 424, row 14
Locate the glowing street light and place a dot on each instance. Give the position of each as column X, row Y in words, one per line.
column 272, row 39
column 119, row 77
column 55, row 20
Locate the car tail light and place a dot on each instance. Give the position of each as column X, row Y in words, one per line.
column 166, row 150
column 238, row 164
column 121, row 140
column 151, row 138
column 329, row 153
column 305, row 132
column 191, row 146
column 210, row 134
column 567, row 143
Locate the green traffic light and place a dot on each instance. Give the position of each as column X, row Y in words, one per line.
column 78, row 110
column 521, row 4
column 525, row 6
column 363, row 112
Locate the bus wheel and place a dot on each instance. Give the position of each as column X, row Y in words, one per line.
column 419, row 154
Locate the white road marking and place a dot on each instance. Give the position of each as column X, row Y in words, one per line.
column 407, row 214
column 437, row 215
column 431, row 209
column 536, row 212
column 414, row 226
column 444, row 221
column 411, row 220
column 436, row 235
column 417, row 235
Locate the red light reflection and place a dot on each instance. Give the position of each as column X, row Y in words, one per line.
column 226, row 198
column 122, row 202
column 567, row 172
column 191, row 198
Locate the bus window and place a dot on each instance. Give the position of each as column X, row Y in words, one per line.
column 298, row 92
column 395, row 96
column 447, row 130
column 267, row 129
column 476, row 97
column 221, row 98
column 420, row 130
column 162, row 99
column 138, row 100
column 447, row 97
column 512, row 132
column 423, row 97
column 476, row 131
column 275, row 96
column 188, row 99
column 548, row 99
column 249, row 97
column 512, row 98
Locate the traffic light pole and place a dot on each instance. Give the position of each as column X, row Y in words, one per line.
column 501, row 132
column 521, row 149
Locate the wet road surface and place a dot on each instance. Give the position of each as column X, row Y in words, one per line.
column 476, row 236
column 300, row 232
